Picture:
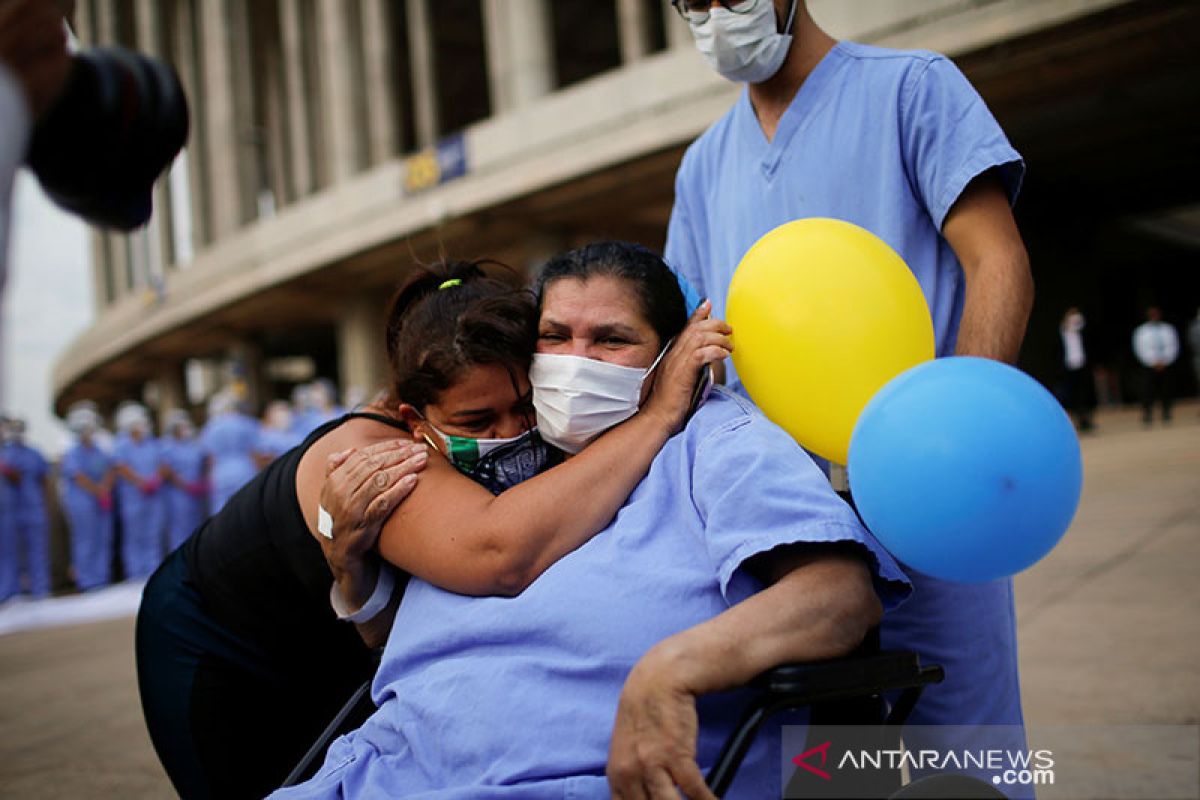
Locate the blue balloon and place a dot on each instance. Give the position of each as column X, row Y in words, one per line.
column 965, row 469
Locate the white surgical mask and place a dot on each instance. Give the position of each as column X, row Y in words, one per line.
column 577, row 398
column 746, row 47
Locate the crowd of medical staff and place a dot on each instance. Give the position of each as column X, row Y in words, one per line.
column 128, row 496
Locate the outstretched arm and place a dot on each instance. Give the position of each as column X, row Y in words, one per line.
column 455, row 534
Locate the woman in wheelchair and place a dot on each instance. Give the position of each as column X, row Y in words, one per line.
column 241, row 658
column 731, row 555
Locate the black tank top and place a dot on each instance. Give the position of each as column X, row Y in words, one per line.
column 262, row 574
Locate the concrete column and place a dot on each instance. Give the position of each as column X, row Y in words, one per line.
column 241, row 68
column 171, row 392
column 633, row 29
column 382, row 120
column 101, row 271
column 118, row 253
column 150, row 41
column 362, row 353
column 220, row 123
column 676, row 28
column 520, row 50
column 275, row 111
column 195, row 154
column 84, row 25
column 424, row 76
column 105, row 29
column 300, row 153
column 337, row 88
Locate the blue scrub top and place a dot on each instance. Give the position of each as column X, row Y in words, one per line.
column 515, row 697
column 87, row 460
column 229, row 439
column 888, row 140
column 885, row 139
column 30, row 491
column 274, row 442
column 185, row 457
column 142, row 457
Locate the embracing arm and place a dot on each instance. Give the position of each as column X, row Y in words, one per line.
column 457, row 535
column 981, row 229
column 819, row 604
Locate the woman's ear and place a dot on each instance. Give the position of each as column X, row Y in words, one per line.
column 416, row 422
column 412, row 418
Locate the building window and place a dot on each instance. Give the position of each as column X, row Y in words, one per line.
column 401, row 77
column 585, row 39
column 655, row 20
column 460, row 55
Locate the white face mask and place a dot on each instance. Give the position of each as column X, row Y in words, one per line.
column 746, row 47
column 577, row 398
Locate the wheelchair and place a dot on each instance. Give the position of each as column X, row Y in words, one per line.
column 839, row 692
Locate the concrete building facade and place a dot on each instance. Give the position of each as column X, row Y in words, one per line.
column 335, row 143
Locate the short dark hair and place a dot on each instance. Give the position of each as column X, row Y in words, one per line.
column 656, row 287
column 450, row 316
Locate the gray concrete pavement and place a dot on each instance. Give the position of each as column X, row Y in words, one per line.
column 1108, row 624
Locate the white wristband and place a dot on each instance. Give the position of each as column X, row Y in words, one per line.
column 376, row 603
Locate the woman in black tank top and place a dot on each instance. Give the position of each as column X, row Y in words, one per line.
column 241, row 657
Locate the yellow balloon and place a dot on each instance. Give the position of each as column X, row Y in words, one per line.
column 824, row 313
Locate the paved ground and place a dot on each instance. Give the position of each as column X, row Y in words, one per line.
column 1109, row 629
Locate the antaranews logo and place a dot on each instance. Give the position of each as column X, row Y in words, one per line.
column 850, row 758
column 821, row 750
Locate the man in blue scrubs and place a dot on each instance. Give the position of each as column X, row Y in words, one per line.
column 87, row 483
column 228, row 439
column 899, row 143
column 10, row 579
column 184, row 469
column 26, row 471
column 139, row 493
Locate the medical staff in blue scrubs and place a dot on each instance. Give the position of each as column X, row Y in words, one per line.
column 314, row 404
column 141, row 501
column 184, row 468
column 276, row 434
column 31, row 525
column 87, row 484
column 899, row 143
column 228, row 440
column 9, row 558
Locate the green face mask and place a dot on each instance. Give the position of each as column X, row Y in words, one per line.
column 497, row 464
column 464, row 452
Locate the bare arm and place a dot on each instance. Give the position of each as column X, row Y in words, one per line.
column 819, row 604
column 981, row 229
column 457, row 535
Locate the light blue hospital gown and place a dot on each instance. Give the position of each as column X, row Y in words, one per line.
column 185, row 510
column 91, row 525
column 888, row 140
column 229, row 441
column 515, row 697
column 143, row 513
column 28, row 514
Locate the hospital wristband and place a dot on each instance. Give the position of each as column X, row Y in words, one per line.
column 375, row 603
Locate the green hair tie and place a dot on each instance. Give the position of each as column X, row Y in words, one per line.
column 449, row 283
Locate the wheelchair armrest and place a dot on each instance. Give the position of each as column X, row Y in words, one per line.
column 853, row 676
column 862, row 674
